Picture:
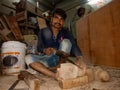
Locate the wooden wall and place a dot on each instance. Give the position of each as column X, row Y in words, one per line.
column 98, row 35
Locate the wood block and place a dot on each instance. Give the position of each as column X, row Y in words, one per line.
column 21, row 16
column 70, row 83
column 5, row 33
column 13, row 25
column 90, row 74
column 41, row 23
column 69, row 71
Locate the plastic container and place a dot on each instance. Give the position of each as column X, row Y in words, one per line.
column 12, row 54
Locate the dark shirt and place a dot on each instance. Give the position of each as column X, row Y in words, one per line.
column 46, row 39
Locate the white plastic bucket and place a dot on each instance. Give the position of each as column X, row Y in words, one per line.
column 12, row 54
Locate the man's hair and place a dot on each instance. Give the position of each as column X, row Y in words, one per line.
column 60, row 12
column 81, row 11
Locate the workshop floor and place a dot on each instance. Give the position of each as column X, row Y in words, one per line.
column 51, row 84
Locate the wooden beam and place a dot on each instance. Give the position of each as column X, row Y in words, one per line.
column 8, row 6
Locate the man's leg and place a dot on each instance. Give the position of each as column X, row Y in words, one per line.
column 39, row 64
column 42, row 69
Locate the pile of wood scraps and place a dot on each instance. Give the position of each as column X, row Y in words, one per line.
column 9, row 29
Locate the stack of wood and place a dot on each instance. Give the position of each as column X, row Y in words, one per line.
column 9, row 29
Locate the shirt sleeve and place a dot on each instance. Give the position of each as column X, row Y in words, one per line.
column 40, row 44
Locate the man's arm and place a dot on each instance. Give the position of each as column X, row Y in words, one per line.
column 75, row 50
column 77, row 53
column 40, row 44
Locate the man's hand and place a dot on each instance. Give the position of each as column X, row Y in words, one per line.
column 80, row 63
column 49, row 51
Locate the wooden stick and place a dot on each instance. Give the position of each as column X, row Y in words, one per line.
column 32, row 81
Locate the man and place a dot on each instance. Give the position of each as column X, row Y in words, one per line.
column 52, row 39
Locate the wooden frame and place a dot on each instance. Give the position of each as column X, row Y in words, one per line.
column 4, row 30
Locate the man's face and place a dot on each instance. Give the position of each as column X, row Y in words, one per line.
column 57, row 21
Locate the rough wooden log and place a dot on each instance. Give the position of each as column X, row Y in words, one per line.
column 70, row 83
column 31, row 80
column 69, row 71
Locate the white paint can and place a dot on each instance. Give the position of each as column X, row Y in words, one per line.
column 12, row 54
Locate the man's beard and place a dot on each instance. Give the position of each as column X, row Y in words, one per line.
column 57, row 25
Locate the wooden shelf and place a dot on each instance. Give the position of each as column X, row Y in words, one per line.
column 27, row 25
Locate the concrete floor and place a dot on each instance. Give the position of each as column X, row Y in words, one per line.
column 51, row 84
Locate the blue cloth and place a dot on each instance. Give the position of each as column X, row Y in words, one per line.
column 48, row 61
column 46, row 39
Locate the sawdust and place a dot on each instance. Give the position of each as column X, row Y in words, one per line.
column 113, row 84
column 51, row 84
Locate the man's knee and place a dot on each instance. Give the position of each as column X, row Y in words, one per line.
column 65, row 45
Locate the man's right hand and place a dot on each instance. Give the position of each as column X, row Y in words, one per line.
column 49, row 51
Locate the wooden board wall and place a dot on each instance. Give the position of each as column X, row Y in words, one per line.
column 98, row 35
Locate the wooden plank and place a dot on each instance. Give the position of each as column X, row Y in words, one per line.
column 115, row 13
column 13, row 25
column 82, row 27
column 101, row 37
column 21, row 16
column 102, row 29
